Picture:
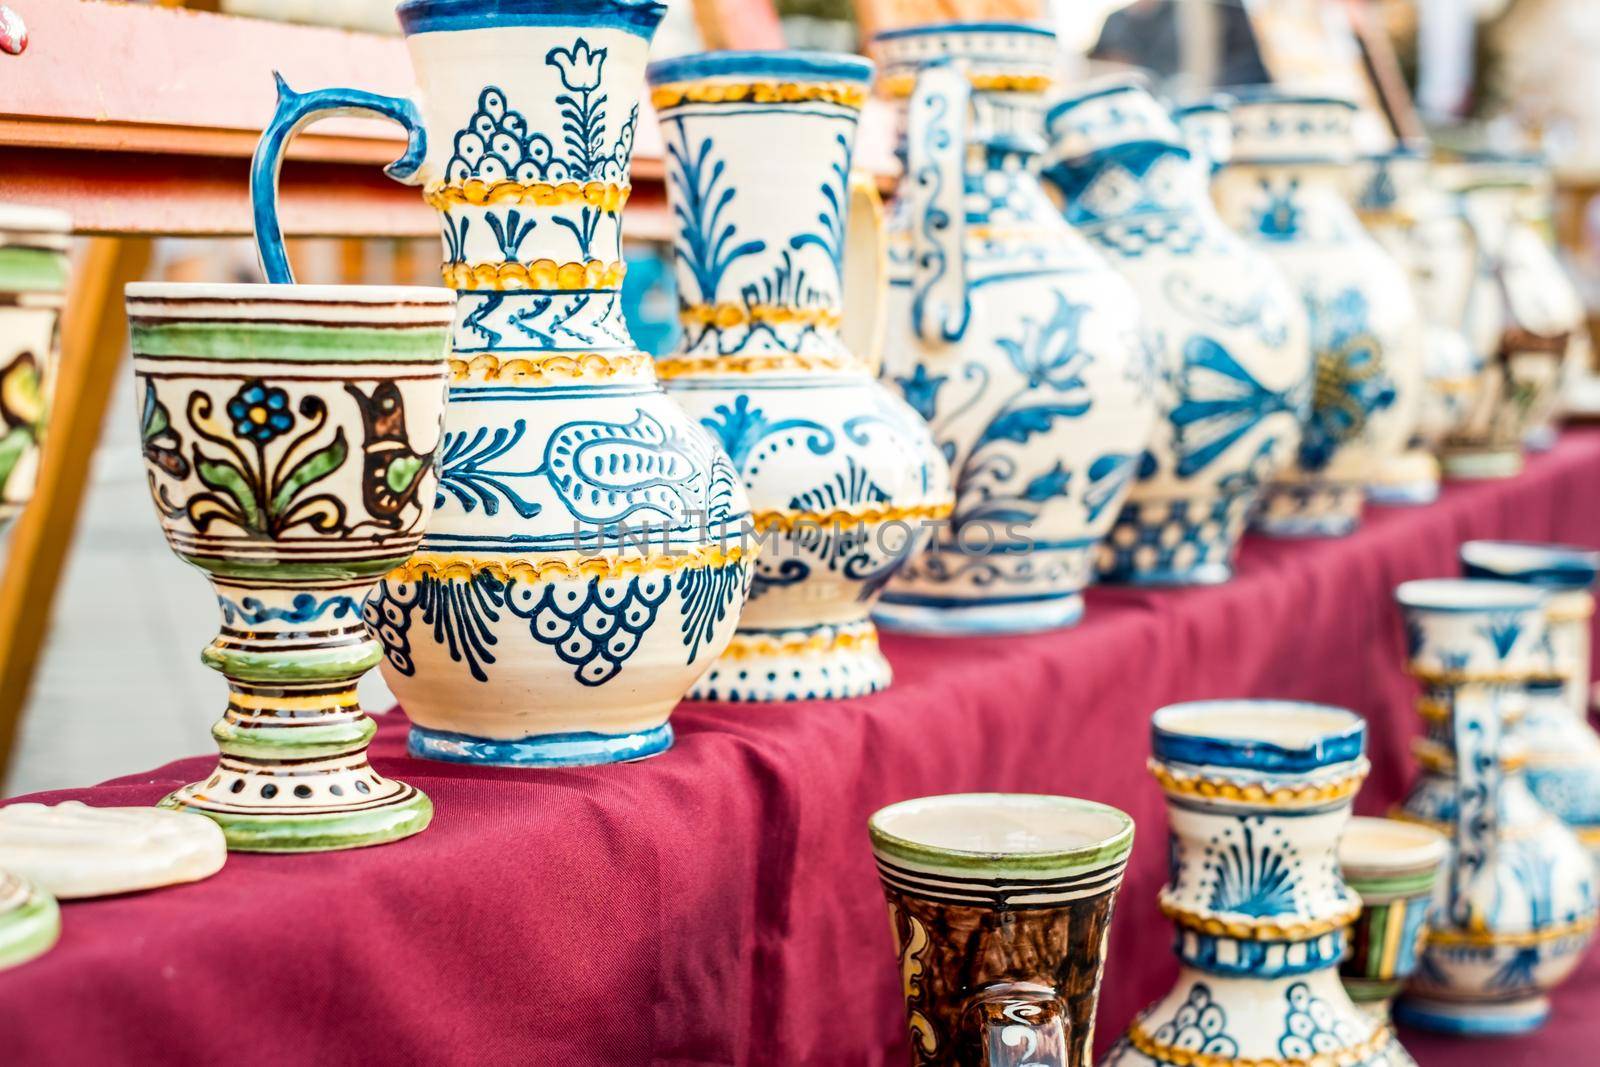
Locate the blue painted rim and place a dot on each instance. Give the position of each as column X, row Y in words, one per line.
column 1272, row 94
column 1551, row 566
column 580, row 749
column 1470, row 1019
column 1448, row 595
column 1122, row 83
column 977, row 618
column 1334, row 746
column 638, row 17
column 964, row 27
column 1217, row 104
column 807, row 66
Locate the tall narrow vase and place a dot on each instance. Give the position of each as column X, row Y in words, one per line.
column 1000, row 906
column 1284, row 189
column 583, row 567
column 843, row 478
column 1515, row 907
column 290, row 437
column 33, row 282
column 1009, row 334
column 1258, row 792
column 1232, row 338
column 1563, row 749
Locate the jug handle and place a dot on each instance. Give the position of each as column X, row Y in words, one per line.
column 1476, row 722
column 865, row 278
column 1017, row 1024
column 295, row 111
column 936, row 151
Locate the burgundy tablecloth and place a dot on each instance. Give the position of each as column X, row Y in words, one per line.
column 718, row 904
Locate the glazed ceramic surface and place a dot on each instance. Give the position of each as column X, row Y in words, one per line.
column 1258, row 793
column 33, row 280
column 73, row 851
column 1515, row 906
column 1009, row 334
column 1393, row 867
column 583, row 567
column 843, row 477
column 1000, row 906
column 290, row 436
column 30, row 921
column 1284, row 189
column 1231, row 337
column 1207, row 130
column 1563, row 749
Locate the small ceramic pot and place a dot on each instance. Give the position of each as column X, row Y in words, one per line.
column 1515, row 906
column 1393, row 866
column 1000, row 906
column 33, row 282
column 290, row 436
column 1258, row 793
column 1563, row 749
column 1207, row 130
column 30, row 921
column 1285, row 189
column 1009, row 334
column 844, row 479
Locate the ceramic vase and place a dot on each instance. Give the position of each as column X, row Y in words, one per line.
column 1515, row 905
column 1563, row 750
column 1009, row 334
column 1230, row 335
column 290, row 437
column 583, row 567
column 33, row 282
column 1285, row 189
column 843, row 477
column 1393, row 867
column 1000, row 905
column 1258, row 793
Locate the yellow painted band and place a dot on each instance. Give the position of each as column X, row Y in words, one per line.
column 565, row 368
column 540, row 274
column 1431, row 758
column 905, row 84
column 1260, row 793
column 746, row 647
column 1428, row 676
column 258, row 702
column 788, row 520
column 555, row 568
column 1359, row 1053
column 1263, row 929
column 727, row 316
column 845, row 94
column 1581, row 609
column 1479, row 938
column 683, row 366
column 1449, row 829
column 1435, row 710
column 475, row 192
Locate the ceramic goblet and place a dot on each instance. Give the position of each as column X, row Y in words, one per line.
column 1000, row 905
column 290, row 435
column 1392, row 866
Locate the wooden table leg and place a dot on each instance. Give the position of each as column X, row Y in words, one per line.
column 93, row 338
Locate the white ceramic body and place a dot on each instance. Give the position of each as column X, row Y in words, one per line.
column 583, row 566
column 843, row 478
column 1232, row 338
column 1285, row 191
column 1258, row 793
column 1011, row 336
column 33, row 281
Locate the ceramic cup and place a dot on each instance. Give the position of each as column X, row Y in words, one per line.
column 1392, row 866
column 1000, row 905
column 290, row 435
column 33, row 278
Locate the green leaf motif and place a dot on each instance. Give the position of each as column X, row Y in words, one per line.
column 12, row 447
column 313, row 468
column 226, row 478
column 402, row 472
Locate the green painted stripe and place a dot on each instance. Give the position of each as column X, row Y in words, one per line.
column 296, row 665
column 293, row 742
column 33, row 270
column 1104, row 853
column 1405, row 884
column 235, row 568
column 29, row 930
column 316, row 833
column 241, row 341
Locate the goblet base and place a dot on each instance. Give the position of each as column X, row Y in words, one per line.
column 826, row 662
column 1482, row 465
column 389, row 812
column 30, row 921
column 954, row 617
column 1471, row 1018
column 578, row 749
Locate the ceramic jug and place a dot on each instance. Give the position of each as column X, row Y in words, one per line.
column 1258, row 793
column 1515, row 906
column 33, row 282
column 843, row 477
column 1285, row 189
column 1230, row 335
column 583, row 567
column 1009, row 334
column 1393, row 867
column 1000, row 906
column 1563, row 749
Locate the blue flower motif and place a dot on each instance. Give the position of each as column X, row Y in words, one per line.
column 260, row 412
column 921, row 390
column 579, row 65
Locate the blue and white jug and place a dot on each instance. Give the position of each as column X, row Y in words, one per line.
column 1232, row 337
column 1285, row 189
column 843, row 477
column 583, row 566
column 1009, row 334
